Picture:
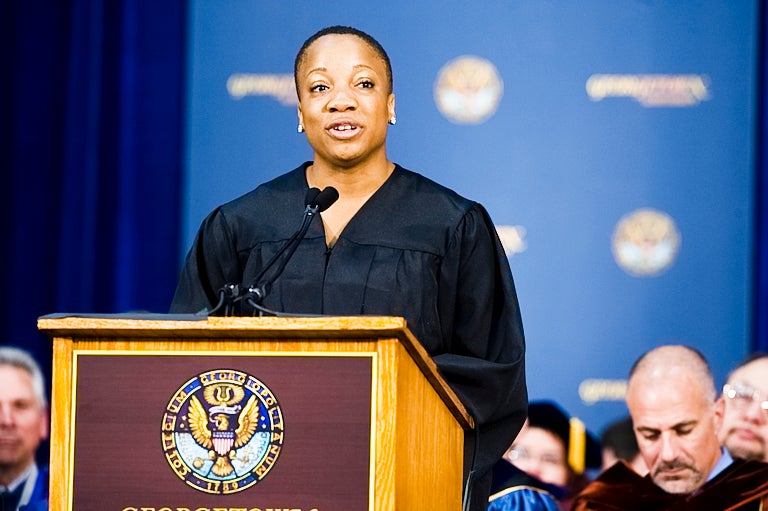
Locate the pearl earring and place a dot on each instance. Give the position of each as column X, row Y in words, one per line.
column 393, row 120
column 300, row 128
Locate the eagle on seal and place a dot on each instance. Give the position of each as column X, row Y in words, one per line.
column 214, row 429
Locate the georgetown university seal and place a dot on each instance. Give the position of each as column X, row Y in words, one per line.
column 468, row 90
column 645, row 242
column 222, row 431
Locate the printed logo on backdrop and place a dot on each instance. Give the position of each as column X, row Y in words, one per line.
column 280, row 87
column 645, row 242
column 651, row 90
column 222, row 431
column 468, row 90
column 597, row 390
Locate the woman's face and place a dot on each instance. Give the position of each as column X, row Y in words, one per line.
column 344, row 101
column 541, row 454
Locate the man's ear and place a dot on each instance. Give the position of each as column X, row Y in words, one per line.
column 45, row 423
column 719, row 409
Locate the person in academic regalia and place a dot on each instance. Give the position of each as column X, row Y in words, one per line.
column 394, row 243
column 514, row 490
column 553, row 449
column 671, row 398
column 745, row 410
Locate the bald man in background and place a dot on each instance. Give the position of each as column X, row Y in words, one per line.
column 745, row 410
column 671, row 398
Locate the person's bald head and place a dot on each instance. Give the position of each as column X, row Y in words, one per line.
column 671, row 397
column 674, row 363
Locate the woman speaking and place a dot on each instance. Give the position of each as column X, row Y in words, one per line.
column 394, row 243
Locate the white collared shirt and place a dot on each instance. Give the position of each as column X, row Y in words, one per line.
column 27, row 478
column 724, row 462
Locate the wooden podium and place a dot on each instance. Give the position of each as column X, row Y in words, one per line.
column 251, row 414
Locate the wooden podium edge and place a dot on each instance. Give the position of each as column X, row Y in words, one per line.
column 319, row 327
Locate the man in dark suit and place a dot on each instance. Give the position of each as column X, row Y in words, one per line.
column 23, row 426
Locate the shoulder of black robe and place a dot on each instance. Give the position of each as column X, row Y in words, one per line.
column 483, row 356
column 620, row 488
column 272, row 211
column 742, row 485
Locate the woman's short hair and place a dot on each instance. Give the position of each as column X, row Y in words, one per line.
column 342, row 30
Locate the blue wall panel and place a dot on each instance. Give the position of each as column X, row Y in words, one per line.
column 558, row 166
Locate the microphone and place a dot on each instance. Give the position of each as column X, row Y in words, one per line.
column 309, row 199
column 316, row 201
column 325, row 199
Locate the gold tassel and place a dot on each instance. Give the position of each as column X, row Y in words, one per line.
column 577, row 445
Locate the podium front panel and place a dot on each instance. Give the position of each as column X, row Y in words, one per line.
column 252, row 430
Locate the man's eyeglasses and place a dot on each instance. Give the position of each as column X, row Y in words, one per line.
column 744, row 395
column 522, row 454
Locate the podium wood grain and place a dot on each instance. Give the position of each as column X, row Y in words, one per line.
column 417, row 444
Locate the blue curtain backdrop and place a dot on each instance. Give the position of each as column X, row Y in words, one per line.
column 91, row 157
column 92, row 151
column 760, row 313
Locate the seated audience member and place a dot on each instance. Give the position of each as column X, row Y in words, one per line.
column 514, row 490
column 671, row 398
column 23, row 425
column 619, row 443
column 551, row 448
column 745, row 410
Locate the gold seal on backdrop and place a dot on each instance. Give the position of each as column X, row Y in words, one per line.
column 645, row 242
column 468, row 90
column 222, row 431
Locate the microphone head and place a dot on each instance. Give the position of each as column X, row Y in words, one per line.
column 312, row 194
column 326, row 198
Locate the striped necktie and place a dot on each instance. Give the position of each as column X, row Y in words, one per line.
column 9, row 500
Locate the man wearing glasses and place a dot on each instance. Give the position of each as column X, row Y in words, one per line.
column 744, row 431
column 671, row 397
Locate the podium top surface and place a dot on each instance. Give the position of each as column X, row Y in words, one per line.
column 154, row 325
column 337, row 328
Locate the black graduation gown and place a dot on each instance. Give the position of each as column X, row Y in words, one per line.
column 415, row 249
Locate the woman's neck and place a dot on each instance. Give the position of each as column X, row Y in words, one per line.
column 359, row 181
column 355, row 187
